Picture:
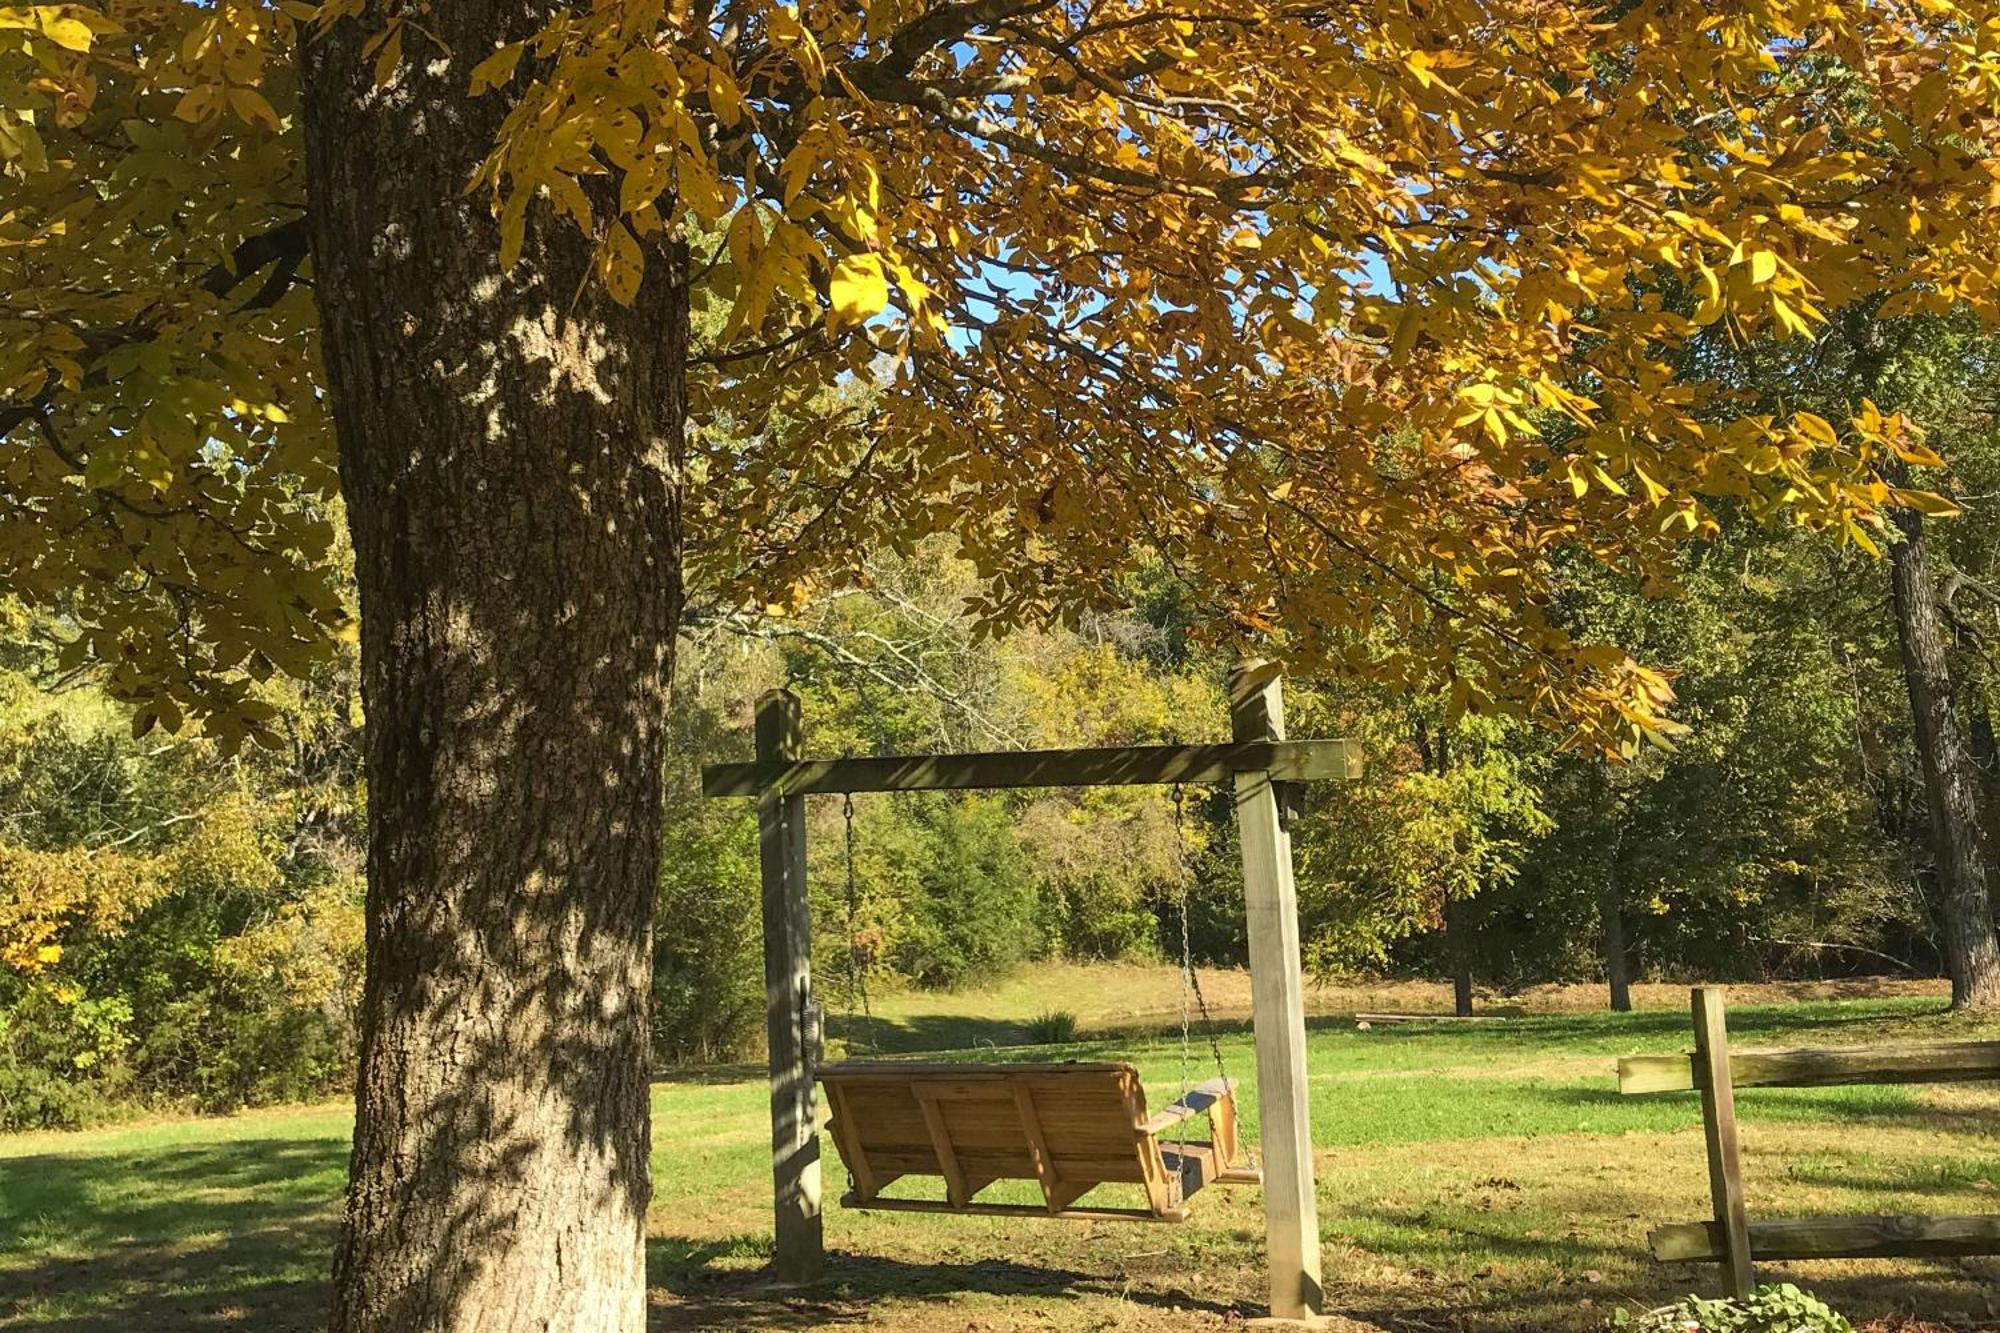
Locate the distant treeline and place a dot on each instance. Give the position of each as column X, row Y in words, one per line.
column 183, row 927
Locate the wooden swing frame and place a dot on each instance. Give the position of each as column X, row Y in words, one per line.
column 1268, row 772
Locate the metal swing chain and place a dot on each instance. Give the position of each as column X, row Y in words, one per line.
column 1187, row 947
column 1187, row 970
column 1193, row 978
column 857, row 975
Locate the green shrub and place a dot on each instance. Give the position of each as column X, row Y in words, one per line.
column 1053, row 1027
column 975, row 913
column 235, row 1043
column 61, row 1057
column 1774, row 1308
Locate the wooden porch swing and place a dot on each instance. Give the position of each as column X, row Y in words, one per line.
column 1070, row 1127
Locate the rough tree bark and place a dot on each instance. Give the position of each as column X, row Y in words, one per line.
column 1950, row 781
column 509, row 451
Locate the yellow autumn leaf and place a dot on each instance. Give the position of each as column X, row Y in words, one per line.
column 199, row 103
column 1710, row 308
column 254, row 109
column 388, row 54
column 497, row 68
column 1791, row 323
column 858, row 292
column 1926, row 502
column 624, row 264
column 723, row 98
column 66, row 31
column 1815, row 428
column 513, row 228
column 1915, row 452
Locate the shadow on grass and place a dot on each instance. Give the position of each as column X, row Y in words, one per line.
column 691, row 1292
column 234, row 1235
column 238, row 1235
column 707, row 1286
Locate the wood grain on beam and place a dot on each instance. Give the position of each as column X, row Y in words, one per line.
column 1835, row 1238
column 1140, row 765
column 1939, row 1062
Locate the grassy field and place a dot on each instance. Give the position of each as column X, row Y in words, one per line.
column 1472, row 1176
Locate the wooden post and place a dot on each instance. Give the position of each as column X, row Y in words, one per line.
column 781, row 849
column 1277, row 998
column 1718, row 1118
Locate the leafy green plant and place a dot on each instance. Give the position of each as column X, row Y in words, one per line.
column 61, row 1055
column 973, row 915
column 1773, row 1308
column 1053, row 1027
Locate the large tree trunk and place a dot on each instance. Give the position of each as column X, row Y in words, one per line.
column 1950, row 783
column 509, row 450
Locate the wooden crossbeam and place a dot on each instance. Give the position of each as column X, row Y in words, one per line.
column 1939, row 1062
column 1138, row 765
column 1834, row 1238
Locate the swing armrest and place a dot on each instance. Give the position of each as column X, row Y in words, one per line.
column 1198, row 1100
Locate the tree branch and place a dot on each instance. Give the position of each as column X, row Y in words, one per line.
column 282, row 250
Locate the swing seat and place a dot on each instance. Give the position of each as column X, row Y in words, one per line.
column 1069, row 1127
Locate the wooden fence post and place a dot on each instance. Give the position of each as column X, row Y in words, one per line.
column 1277, row 1000
column 1718, row 1118
column 781, row 848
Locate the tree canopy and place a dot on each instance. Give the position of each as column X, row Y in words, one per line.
column 1356, row 315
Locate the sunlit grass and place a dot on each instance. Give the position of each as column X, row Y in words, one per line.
column 1477, row 1176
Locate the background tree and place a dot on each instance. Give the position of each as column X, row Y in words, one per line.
column 1933, row 369
column 178, row 927
column 1758, row 844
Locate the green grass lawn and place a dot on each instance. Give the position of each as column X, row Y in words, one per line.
column 1471, row 1176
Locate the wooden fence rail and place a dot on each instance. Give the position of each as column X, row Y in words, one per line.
column 1715, row 1072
